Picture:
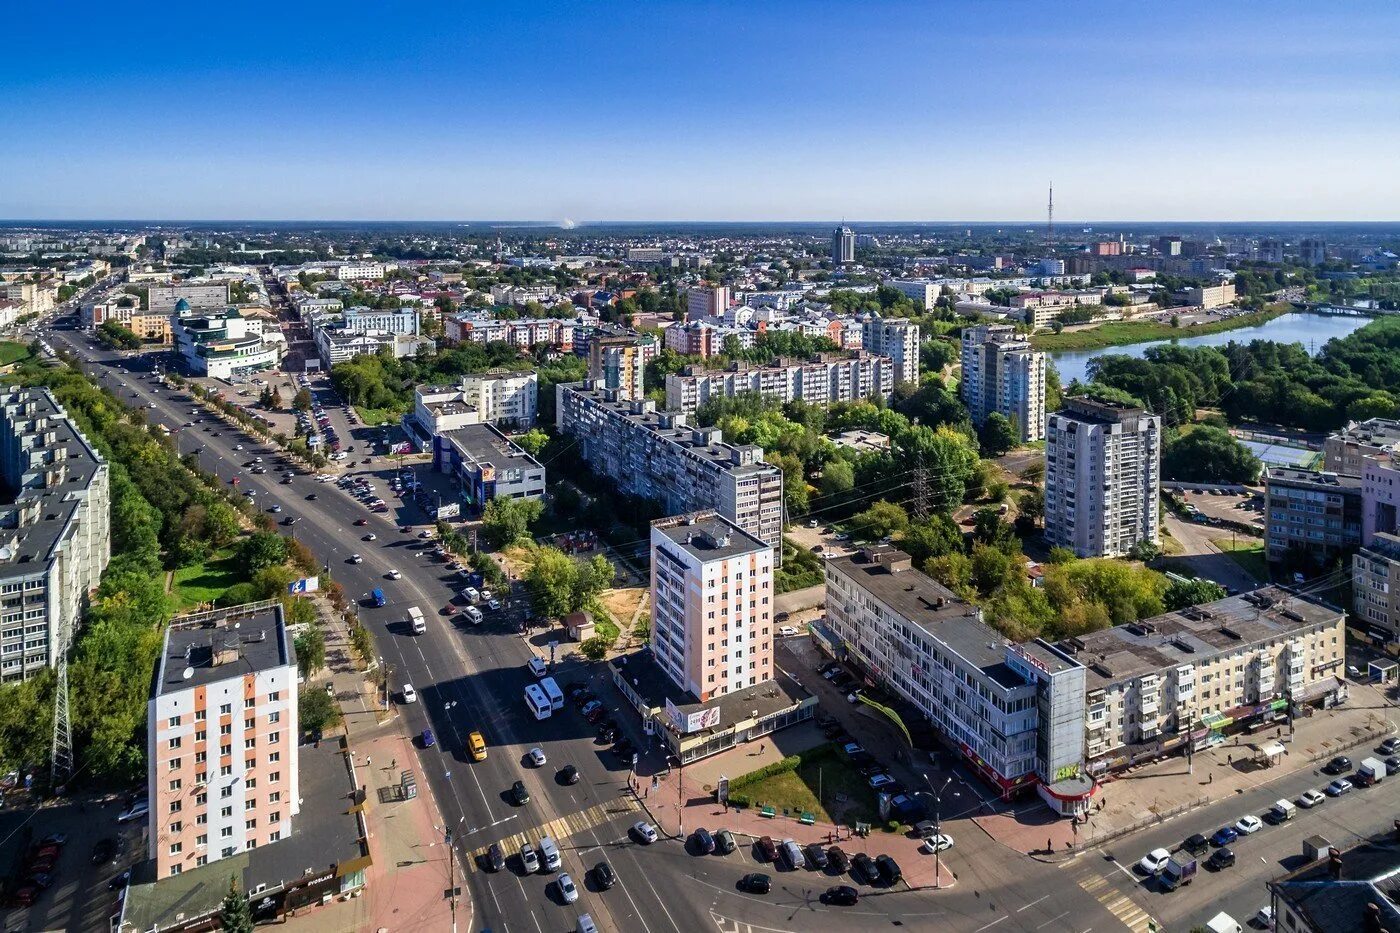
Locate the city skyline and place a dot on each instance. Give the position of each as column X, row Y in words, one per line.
column 905, row 112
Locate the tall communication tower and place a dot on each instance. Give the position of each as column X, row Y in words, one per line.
column 1050, row 222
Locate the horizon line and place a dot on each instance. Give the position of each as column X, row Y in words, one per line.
column 575, row 224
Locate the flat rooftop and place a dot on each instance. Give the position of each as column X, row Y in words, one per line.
column 326, row 837
column 1297, row 476
column 37, row 516
column 672, row 428
column 887, row 573
column 1193, row 635
column 706, row 536
column 651, row 682
column 214, row 646
column 483, row 444
column 1374, row 432
column 1093, row 411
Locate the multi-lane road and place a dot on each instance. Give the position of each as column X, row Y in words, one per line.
column 471, row 678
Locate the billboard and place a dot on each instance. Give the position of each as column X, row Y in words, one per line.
column 304, row 585
column 686, row 723
column 450, row 510
column 402, row 447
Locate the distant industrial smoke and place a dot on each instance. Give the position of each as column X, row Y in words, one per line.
column 567, row 224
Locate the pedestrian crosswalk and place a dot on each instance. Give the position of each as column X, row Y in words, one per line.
column 561, row 828
column 1121, row 905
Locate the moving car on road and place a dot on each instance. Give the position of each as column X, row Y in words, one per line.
column 644, row 831
column 756, row 882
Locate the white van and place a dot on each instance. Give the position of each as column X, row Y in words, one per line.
column 549, row 855
column 474, row 614
column 416, row 620
column 1282, row 810
column 538, row 667
column 470, row 595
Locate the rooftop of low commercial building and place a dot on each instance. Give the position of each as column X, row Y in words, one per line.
column 1373, row 432
column 708, row 536
column 1363, row 898
column 1194, row 634
column 1385, row 545
column 483, row 444
column 642, row 671
column 34, row 520
column 887, row 573
column 214, row 646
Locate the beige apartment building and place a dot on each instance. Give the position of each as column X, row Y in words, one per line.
column 1193, row 675
column 1212, row 296
column 222, row 737
column 711, row 604
column 1375, row 581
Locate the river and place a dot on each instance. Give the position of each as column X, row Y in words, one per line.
column 1311, row 330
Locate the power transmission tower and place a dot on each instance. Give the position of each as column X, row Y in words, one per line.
column 920, row 489
column 61, row 755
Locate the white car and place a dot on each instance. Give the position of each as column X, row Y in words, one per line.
column 940, row 843
column 356, row 559
column 371, row 537
column 1310, row 799
column 1248, row 825
column 409, row 694
column 393, row 575
column 644, row 831
column 567, row 889
column 786, row 631
column 237, row 446
column 493, row 604
column 536, row 757
column 136, row 811
column 1153, row 861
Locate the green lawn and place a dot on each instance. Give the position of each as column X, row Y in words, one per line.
column 11, row 352
column 796, row 792
column 205, row 582
column 377, row 416
column 1248, row 553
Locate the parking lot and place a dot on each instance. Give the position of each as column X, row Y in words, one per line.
column 1218, row 507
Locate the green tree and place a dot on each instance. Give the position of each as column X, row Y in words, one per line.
column 316, row 710
column 551, row 582
column 262, row 549
column 1208, row 455
column 936, row 536
column 302, row 400
column 311, row 650
column 595, row 648
column 275, row 400
column 880, row 520
column 838, row 478
column 1183, row 593
column 947, row 457
column 998, row 435
column 235, row 914
column 1030, row 509
column 533, row 441
column 506, row 521
column 953, row 570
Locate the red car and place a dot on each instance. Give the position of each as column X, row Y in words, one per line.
column 361, row 521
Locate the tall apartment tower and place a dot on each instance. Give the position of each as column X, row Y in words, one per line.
column 221, row 729
column 897, row 338
column 1102, row 464
column 843, row 246
column 618, row 357
column 711, row 604
column 1002, row 373
column 705, row 303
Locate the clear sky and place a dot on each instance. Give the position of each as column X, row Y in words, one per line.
column 754, row 110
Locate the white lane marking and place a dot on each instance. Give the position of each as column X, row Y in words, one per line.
column 992, row 924
column 1053, row 919
column 1031, row 904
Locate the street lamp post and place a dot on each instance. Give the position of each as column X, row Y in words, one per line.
column 937, row 796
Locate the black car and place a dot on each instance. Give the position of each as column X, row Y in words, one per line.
column 842, row 895
column 816, row 857
column 724, row 842
column 311, row 497
column 1220, row 858
column 1196, row 844
column 1392, row 764
column 568, row 775
column 607, row 736
column 838, row 860
column 863, row 869
column 1339, row 765
column 1390, row 746
column 704, row 842
column 519, row 793
column 495, row 859
column 119, row 881
column 603, row 876
column 756, row 882
column 888, row 869
column 583, row 698
column 104, row 851
column 573, row 689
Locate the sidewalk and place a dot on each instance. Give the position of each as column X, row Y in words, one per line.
column 1152, row 793
column 684, row 800
column 406, row 883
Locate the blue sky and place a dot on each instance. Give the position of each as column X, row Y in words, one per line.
column 702, row 110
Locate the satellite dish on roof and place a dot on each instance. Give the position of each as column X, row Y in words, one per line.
column 189, row 672
column 6, row 553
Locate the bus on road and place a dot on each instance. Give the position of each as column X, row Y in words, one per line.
column 537, row 702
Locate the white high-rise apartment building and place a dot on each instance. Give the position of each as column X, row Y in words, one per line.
column 843, row 246
column 897, row 338
column 1102, row 466
column 1001, row 373
column 711, row 604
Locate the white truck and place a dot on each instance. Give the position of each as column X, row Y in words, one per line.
column 1224, row 923
column 416, row 622
column 1370, row 771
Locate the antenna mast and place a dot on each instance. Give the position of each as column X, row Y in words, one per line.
column 1050, row 222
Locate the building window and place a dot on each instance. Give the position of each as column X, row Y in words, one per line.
column 174, row 764
column 173, row 721
column 176, row 869
column 175, row 784
column 174, row 743
column 248, row 703
column 200, row 860
column 174, row 806
column 226, row 709
column 273, row 696
column 201, row 840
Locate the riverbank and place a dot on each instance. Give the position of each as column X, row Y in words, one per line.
column 1117, row 333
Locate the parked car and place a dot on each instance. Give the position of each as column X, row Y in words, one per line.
column 816, row 857
column 1339, row 765
column 1310, row 798
column 1196, row 844
column 724, row 842
column 136, row 811
column 1248, row 825
column 838, row 860
column 888, row 869
column 1223, row 837
column 1152, row 862
column 1220, row 858
column 704, row 842
column 767, row 848
column 1338, row 787
column 1390, row 746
